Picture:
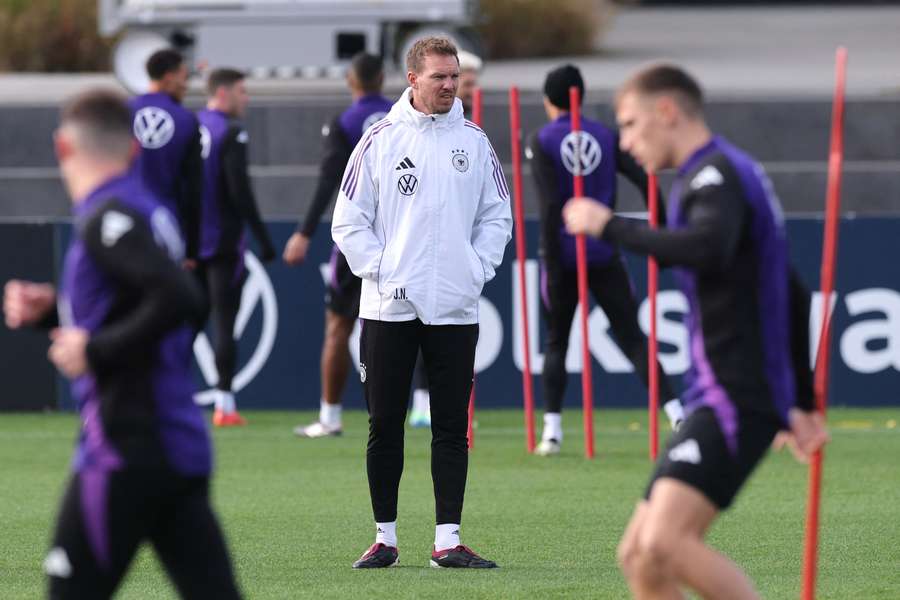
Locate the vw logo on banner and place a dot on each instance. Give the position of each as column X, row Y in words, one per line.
column 408, row 184
column 258, row 291
column 586, row 148
column 153, row 127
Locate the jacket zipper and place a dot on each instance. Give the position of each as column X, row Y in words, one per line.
column 434, row 223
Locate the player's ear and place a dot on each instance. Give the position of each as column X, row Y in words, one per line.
column 412, row 78
column 62, row 145
column 549, row 109
column 666, row 109
column 133, row 150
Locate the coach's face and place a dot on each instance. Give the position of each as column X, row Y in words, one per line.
column 434, row 87
column 642, row 130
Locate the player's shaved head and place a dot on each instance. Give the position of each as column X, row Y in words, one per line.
column 668, row 80
column 368, row 70
column 98, row 122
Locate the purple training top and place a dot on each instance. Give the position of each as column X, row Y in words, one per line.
column 738, row 318
column 143, row 414
column 597, row 150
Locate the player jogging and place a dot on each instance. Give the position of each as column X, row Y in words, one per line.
column 725, row 239
column 143, row 461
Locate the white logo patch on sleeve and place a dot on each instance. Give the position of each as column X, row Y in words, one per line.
column 708, row 175
column 114, row 226
column 372, row 119
column 205, row 142
column 166, row 233
column 687, row 451
column 243, row 137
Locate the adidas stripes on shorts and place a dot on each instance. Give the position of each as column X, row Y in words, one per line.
column 698, row 455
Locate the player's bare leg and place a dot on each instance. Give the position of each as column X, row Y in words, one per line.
column 631, row 561
column 670, row 550
column 335, row 367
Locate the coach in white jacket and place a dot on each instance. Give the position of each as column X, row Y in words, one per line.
column 423, row 218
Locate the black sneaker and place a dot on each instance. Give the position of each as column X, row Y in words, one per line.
column 378, row 556
column 461, row 557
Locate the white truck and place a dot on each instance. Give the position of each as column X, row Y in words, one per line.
column 284, row 38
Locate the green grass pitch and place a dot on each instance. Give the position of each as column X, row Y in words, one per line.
column 296, row 512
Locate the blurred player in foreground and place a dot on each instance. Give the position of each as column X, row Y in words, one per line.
column 725, row 239
column 143, row 460
column 228, row 205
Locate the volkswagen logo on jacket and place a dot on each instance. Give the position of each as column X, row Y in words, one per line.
column 408, row 184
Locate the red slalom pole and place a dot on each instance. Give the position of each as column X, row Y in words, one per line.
column 470, row 434
column 652, row 289
column 515, row 132
column 829, row 258
column 476, row 106
column 587, row 388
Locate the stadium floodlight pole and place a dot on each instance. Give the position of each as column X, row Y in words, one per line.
column 470, row 432
column 829, row 258
column 587, row 388
column 652, row 289
column 515, row 132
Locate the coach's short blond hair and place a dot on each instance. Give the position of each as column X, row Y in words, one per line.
column 429, row 45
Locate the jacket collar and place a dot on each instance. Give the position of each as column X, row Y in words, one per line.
column 403, row 111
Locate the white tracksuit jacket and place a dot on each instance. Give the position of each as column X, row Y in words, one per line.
column 423, row 216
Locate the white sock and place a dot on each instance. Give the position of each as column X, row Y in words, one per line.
column 446, row 536
column 225, row 402
column 674, row 410
column 422, row 401
column 330, row 414
column 552, row 427
column 386, row 533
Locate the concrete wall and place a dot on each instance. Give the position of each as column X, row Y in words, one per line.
column 790, row 137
